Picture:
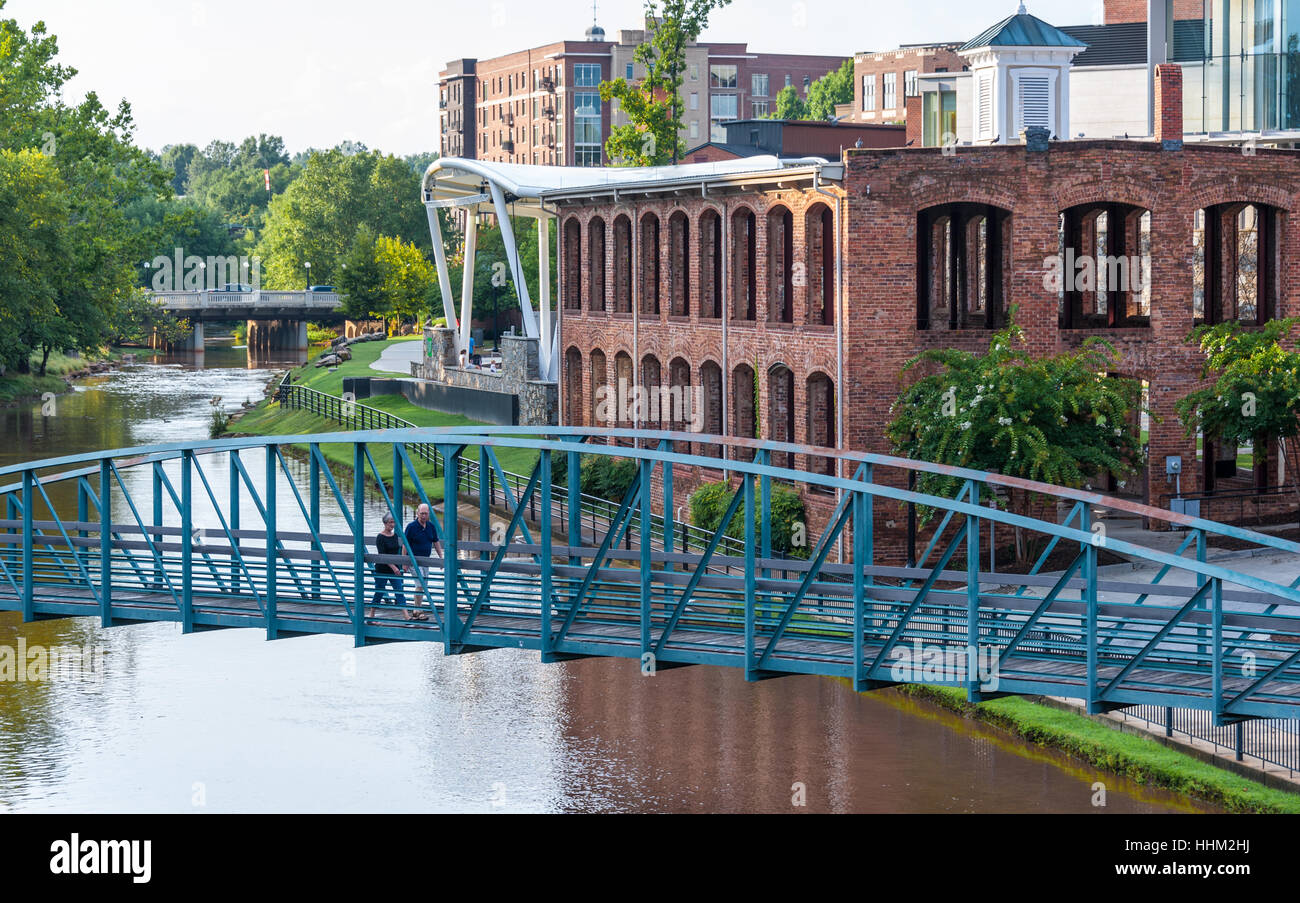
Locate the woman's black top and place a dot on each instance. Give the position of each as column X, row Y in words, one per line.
column 388, row 545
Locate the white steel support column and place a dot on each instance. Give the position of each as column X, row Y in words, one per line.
column 444, row 277
column 467, row 283
column 544, row 344
column 512, row 257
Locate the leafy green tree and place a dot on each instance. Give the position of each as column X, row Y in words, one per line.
column 33, row 207
column 317, row 217
column 407, row 279
column 1255, row 395
column 360, row 281
column 137, row 319
column 789, row 105
column 832, row 88
column 177, row 158
column 652, row 137
column 1056, row 419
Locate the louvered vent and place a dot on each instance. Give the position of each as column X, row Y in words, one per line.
column 1035, row 101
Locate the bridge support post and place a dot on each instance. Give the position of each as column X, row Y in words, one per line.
column 29, row 608
column 272, row 628
column 861, row 556
column 105, row 544
column 234, row 521
column 300, row 335
column 972, row 659
column 187, row 544
column 548, row 560
column 450, row 544
column 647, row 468
column 313, row 490
column 751, row 673
column 359, row 543
column 1095, row 704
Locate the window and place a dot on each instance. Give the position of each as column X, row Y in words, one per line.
column 758, row 85
column 787, row 81
column 868, row 92
column 695, row 128
column 586, row 128
column 760, row 109
column 806, row 82
column 939, row 118
column 722, row 106
column 629, row 72
column 891, row 91
column 909, row 83
column 695, row 100
column 586, row 75
column 722, row 76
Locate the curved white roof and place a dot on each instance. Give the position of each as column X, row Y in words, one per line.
column 452, row 178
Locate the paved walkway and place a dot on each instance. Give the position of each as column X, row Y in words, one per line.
column 398, row 357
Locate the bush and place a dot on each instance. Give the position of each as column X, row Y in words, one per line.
column 709, row 503
column 320, row 335
column 607, row 478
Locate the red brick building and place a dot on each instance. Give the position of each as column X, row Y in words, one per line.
column 794, row 297
column 542, row 105
column 883, row 81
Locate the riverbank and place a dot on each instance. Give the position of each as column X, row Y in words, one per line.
column 1137, row 758
column 60, row 370
column 267, row 418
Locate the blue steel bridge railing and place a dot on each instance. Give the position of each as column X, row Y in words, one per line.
column 1193, row 635
column 595, row 512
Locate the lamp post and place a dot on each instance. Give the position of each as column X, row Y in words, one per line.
column 308, row 268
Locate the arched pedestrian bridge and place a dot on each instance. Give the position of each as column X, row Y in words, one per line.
column 237, row 533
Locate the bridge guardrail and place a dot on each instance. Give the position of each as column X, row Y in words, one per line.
column 597, row 513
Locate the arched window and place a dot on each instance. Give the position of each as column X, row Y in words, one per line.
column 650, row 258
column 1104, row 266
column 960, row 266
column 573, row 406
column 679, row 265
column 602, row 413
column 572, row 264
column 711, row 386
column 819, row 241
column 743, row 407
column 780, row 411
column 652, row 410
column 744, row 260
column 821, row 421
column 780, row 269
column 622, row 265
column 1235, row 267
column 711, row 265
column 596, row 265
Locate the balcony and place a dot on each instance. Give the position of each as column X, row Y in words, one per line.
column 549, row 113
column 508, row 146
column 548, row 85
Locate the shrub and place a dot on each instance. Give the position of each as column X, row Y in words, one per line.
column 606, row 477
column 709, row 503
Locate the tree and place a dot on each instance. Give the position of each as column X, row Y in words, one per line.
column 360, row 281
column 138, row 319
column 33, row 207
column 1255, row 396
column 407, row 278
column 652, row 136
column 317, row 217
column 832, row 88
column 1056, row 419
column 789, row 105
column 710, row 501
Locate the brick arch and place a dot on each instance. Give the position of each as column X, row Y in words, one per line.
column 678, row 257
column 1108, row 191
column 573, row 394
column 622, row 263
column 779, row 239
column 709, row 240
column 711, row 382
column 1239, row 192
column 572, row 263
column 955, row 192
column 743, row 294
column 781, row 388
column 596, row 263
column 650, row 262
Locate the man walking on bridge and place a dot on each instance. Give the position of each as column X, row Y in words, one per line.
column 422, row 535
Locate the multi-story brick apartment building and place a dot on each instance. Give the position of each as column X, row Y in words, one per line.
column 793, row 297
column 542, row 105
column 883, row 81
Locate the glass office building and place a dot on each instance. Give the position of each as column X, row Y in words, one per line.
column 1241, row 65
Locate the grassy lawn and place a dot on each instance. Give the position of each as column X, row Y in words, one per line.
column 1138, row 758
column 267, row 419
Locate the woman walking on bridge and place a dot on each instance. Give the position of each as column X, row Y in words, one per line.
column 387, row 543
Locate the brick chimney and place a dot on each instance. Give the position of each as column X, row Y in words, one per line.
column 1168, row 114
column 912, row 116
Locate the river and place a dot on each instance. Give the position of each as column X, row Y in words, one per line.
column 224, row 721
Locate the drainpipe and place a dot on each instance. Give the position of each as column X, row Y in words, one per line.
column 839, row 337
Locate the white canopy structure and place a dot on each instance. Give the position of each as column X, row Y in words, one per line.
column 514, row 189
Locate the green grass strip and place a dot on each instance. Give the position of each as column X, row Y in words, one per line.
column 1140, row 759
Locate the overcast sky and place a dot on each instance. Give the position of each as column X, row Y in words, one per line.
column 320, row 72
